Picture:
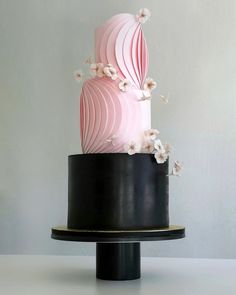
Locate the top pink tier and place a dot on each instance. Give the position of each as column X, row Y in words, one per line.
column 120, row 42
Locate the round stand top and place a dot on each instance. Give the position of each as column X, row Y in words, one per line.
column 105, row 236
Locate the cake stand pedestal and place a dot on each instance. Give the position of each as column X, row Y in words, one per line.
column 118, row 251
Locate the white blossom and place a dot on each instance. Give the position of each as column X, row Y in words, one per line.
column 158, row 145
column 148, row 146
column 149, row 84
column 97, row 69
column 110, row 72
column 164, row 98
column 132, row 147
column 93, row 68
column 168, row 148
column 151, row 134
column 124, row 85
column 112, row 139
column 146, row 95
column 176, row 168
column 161, row 156
column 143, row 15
column 78, row 75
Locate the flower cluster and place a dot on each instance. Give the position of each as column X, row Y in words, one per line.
column 108, row 70
column 101, row 70
column 153, row 145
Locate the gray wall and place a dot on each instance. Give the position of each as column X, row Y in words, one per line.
column 192, row 46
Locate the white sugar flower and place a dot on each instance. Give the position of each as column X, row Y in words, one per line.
column 146, row 95
column 143, row 15
column 168, row 148
column 151, row 134
column 78, row 75
column 148, row 147
column 161, row 156
column 177, row 168
column 159, row 146
column 124, row 85
column 110, row 72
column 97, row 69
column 132, row 147
column 93, row 68
column 100, row 72
column 149, row 84
column 164, row 98
column 112, row 140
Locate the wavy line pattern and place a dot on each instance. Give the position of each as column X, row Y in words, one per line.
column 120, row 42
column 109, row 118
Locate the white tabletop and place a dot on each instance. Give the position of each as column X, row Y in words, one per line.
column 69, row 275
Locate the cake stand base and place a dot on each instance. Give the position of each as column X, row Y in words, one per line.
column 118, row 251
column 118, row 261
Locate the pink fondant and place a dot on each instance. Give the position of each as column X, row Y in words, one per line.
column 110, row 49
column 134, row 55
column 99, row 32
column 144, row 57
column 127, row 47
column 119, row 50
column 114, row 45
column 109, row 118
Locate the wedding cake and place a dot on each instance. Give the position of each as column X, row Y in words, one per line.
column 121, row 181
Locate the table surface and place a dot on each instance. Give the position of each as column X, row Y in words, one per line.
column 26, row 274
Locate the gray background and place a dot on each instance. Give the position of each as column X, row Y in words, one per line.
column 192, row 45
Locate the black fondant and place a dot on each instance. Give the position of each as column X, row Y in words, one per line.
column 117, row 191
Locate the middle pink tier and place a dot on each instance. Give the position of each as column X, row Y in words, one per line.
column 110, row 118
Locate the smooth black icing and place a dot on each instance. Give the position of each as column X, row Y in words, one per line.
column 117, row 191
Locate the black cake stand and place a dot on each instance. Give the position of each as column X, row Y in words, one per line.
column 117, row 201
column 118, row 251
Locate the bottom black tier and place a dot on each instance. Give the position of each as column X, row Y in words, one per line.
column 117, row 191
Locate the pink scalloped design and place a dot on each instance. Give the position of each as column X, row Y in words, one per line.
column 109, row 118
column 110, row 113
column 120, row 42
